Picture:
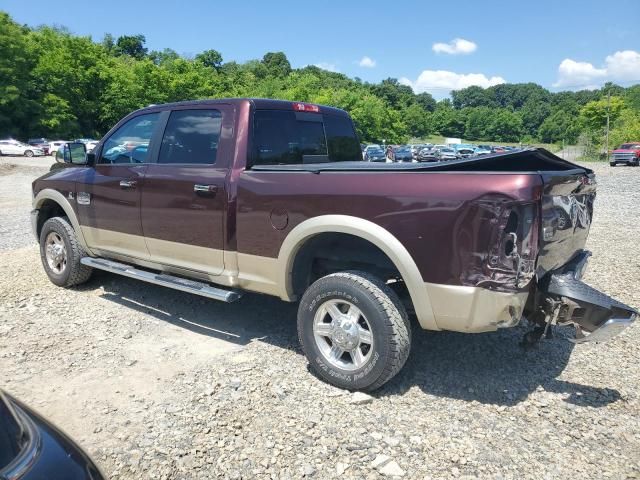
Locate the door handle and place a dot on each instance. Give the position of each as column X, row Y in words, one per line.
column 205, row 189
column 128, row 183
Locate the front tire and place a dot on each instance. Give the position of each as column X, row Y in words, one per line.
column 354, row 330
column 28, row 153
column 61, row 252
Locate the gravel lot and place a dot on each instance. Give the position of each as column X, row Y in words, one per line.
column 161, row 384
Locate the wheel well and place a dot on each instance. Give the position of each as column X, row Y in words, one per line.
column 328, row 253
column 47, row 210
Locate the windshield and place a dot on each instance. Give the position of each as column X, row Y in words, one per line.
column 376, row 151
column 628, row 146
column 447, row 150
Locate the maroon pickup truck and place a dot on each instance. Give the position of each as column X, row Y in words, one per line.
column 217, row 197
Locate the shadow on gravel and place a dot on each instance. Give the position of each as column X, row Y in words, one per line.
column 492, row 368
column 253, row 317
column 489, row 368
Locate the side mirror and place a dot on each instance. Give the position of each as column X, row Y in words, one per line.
column 75, row 153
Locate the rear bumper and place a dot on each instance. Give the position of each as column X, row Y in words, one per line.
column 561, row 297
column 566, row 299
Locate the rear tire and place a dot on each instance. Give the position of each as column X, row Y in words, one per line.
column 354, row 330
column 61, row 252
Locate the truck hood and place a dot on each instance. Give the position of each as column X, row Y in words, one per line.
column 626, row 150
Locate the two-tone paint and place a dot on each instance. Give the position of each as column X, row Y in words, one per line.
column 443, row 227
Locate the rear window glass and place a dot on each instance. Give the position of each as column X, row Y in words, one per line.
column 288, row 138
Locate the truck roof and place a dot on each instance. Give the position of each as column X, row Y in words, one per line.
column 258, row 103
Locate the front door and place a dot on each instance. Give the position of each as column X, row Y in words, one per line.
column 109, row 197
column 183, row 199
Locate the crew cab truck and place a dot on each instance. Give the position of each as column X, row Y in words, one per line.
column 627, row 153
column 217, row 197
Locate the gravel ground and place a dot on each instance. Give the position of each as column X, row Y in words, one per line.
column 160, row 384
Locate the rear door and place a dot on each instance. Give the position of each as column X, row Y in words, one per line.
column 184, row 197
column 108, row 198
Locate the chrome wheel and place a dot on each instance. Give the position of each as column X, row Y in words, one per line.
column 55, row 253
column 343, row 334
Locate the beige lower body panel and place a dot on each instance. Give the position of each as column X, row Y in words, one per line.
column 457, row 308
column 474, row 309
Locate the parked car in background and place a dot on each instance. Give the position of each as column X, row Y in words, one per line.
column 480, row 150
column 427, row 155
column 627, row 153
column 55, row 144
column 402, row 154
column 465, row 152
column 14, row 147
column 498, row 149
column 41, row 143
column 91, row 144
column 31, row 448
column 447, row 154
column 374, row 153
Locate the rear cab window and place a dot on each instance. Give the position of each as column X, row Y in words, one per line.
column 282, row 137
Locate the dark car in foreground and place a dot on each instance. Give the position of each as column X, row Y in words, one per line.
column 220, row 197
column 627, row 153
column 31, row 448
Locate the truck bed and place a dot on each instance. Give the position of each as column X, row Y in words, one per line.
column 522, row 161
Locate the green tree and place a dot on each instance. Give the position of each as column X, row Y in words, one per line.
column 277, row 64
column 594, row 114
column 210, row 58
column 476, row 123
column 132, row 45
column 505, row 126
column 558, row 127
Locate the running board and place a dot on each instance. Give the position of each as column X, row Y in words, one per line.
column 177, row 283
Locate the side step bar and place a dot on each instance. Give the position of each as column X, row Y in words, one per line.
column 163, row 279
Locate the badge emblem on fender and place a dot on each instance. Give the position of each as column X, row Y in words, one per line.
column 84, row 198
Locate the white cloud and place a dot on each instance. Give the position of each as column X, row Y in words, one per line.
column 367, row 62
column 621, row 66
column 457, row 46
column 571, row 73
column 624, row 65
column 441, row 82
column 331, row 67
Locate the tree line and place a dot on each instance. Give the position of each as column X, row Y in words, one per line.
column 56, row 84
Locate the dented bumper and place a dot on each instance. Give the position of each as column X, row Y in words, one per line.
column 568, row 300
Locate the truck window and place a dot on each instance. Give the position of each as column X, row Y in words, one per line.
column 130, row 143
column 191, row 137
column 281, row 137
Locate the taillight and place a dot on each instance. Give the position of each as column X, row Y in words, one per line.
column 306, row 107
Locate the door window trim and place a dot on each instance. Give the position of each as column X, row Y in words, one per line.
column 219, row 107
column 152, row 155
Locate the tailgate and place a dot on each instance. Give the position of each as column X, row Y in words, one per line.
column 567, row 210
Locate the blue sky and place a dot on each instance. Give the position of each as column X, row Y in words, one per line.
column 558, row 44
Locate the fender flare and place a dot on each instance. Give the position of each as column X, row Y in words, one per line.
column 60, row 199
column 367, row 230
